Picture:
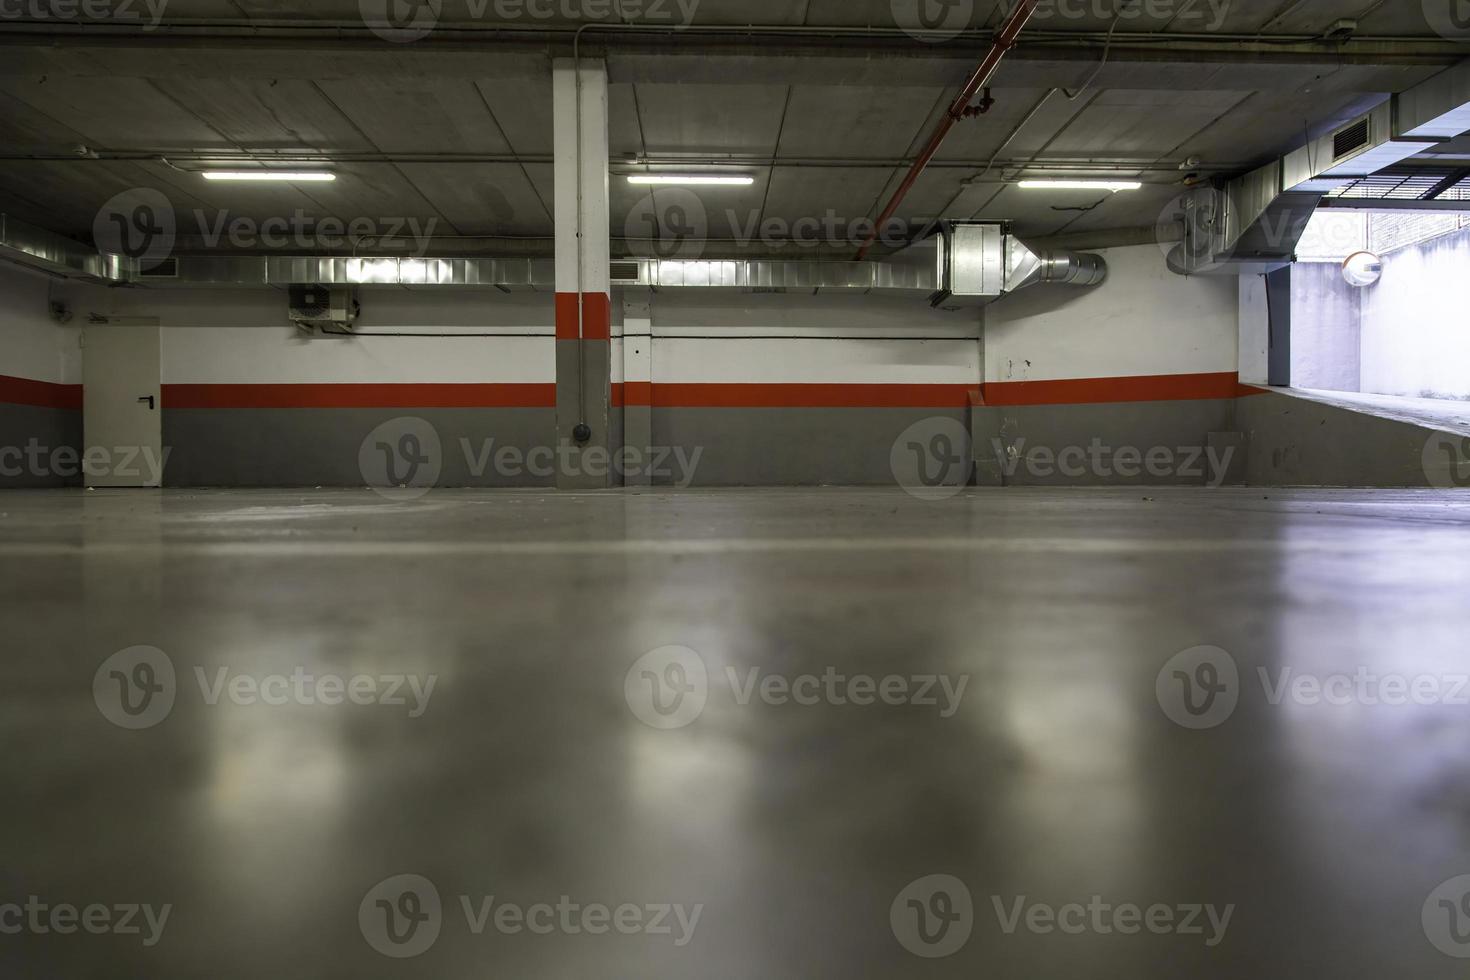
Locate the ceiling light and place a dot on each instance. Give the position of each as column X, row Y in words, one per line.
column 289, row 176
column 1082, row 185
column 690, row 179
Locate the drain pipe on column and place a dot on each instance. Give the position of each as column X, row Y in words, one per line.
column 582, row 433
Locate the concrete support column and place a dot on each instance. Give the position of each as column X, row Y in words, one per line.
column 583, row 299
column 638, row 382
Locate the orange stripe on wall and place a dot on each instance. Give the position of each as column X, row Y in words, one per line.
column 596, row 322
column 1084, row 391
column 793, row 395
column 41, row 394
column 596, row 316
column 1093, row 391
column 637, row 394
column 361, row 396
column 566, row 316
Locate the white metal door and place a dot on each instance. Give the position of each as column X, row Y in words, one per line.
column 122, row 407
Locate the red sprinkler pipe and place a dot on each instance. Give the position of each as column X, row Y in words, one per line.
column 1004, row 41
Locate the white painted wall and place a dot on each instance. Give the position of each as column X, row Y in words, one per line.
column 32, row 345
column 837, row 339
column 1254, row 362
column 1144, row 320
column 1416, row 322
column 244, row 337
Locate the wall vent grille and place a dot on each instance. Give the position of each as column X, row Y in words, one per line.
column 1351, row 140
column 624, row 272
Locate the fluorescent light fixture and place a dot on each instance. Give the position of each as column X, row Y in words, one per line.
column 288, row 176
column 1082, row 185
column 690, row 180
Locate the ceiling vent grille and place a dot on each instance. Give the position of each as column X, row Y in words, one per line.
column 624, row 272
column 1352, row 139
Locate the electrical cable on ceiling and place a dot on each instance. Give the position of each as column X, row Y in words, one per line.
column 1107, row 50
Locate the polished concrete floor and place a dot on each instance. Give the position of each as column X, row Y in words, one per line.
column 802, row 833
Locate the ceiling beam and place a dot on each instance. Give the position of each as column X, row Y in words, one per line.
column 755, row 41
column 728, row 66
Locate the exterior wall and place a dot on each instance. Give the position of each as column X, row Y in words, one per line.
column 1326, row 328
column 1416, row 322
column 1146, row 363
column 40, row 395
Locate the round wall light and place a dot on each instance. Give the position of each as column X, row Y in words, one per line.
column 1362, row 269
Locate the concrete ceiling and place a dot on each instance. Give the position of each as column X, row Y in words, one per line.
column 822, row 103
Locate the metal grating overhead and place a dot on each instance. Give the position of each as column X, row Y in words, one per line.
column 1459, row 192
column 1409, row 184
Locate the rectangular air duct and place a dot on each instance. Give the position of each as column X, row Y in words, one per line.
column 978, row 262
column 1254, row 222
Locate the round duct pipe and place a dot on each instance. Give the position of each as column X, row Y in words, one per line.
column 1073, row 268
column 1028, row 267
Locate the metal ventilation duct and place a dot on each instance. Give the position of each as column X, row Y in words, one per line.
column 986, row 263
column 539, row 275
column 49, row 252
column 1255, row 221
column 979, row 262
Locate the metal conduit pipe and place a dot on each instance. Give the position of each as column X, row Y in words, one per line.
column 1005, row 39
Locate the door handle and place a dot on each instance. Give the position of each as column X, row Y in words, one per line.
column 149, row 400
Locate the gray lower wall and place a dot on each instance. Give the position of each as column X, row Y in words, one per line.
column 49, row 429
column 1013, row 444
column 1299, row 442
column 306, row 447
column 788, row 446
column 1265, row 440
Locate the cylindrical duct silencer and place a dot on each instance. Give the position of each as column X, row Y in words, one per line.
column 1073, row 268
